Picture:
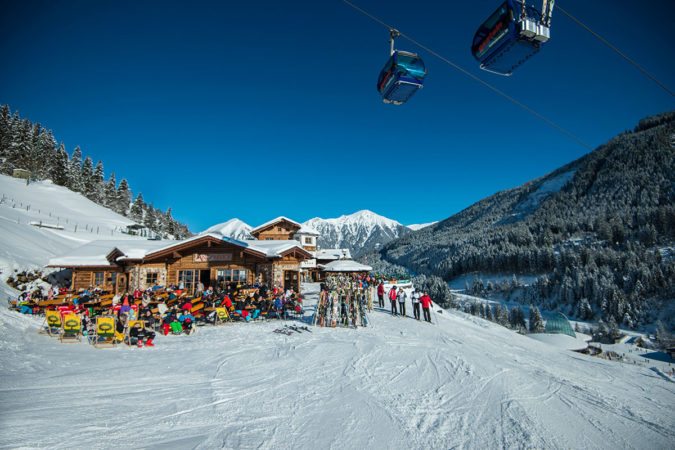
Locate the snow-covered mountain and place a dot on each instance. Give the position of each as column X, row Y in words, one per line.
column 361, row 232
column 234, row 228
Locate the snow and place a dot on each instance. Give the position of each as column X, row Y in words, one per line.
column 234, row 228
column 548, row 187
column 28, row 247
column 95, row 253
column 461, row 382
column 562, row 340
column 333, row 253
column 345, row 265
column 419, row 226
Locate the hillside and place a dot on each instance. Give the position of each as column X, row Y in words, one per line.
column 361, row 232
column 25, row 246
column 599, row 232
column 30, row 147
column 461, row 383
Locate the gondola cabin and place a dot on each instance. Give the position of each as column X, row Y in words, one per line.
column 509, row 37
column 401, row 77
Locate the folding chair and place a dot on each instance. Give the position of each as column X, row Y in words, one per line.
column 222, row 315
column 53, row 323
column 104, row 334
column 71, row 330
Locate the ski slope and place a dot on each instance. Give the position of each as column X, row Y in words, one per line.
column 26, row 246
column 460, row 383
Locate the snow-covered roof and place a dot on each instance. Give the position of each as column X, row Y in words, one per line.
column 273, row 221
column 95, row 253
column 273, row 248
column 346, row 265
column 333, row 254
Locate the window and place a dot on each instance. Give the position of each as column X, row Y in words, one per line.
column 187, row 278
column 98, row 278
column 269, row 239
column 308, row 240
column 228, row 275
column 150, row 279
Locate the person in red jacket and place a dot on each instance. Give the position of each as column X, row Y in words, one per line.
column 392, row 298
column 426, row 305
column 380, row 294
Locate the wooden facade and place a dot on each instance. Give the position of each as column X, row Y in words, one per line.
column 207, row 259
column 280, row 230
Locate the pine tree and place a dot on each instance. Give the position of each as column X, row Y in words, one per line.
column 98, row 195
column 123, row 198
column 88, row 178
column 536, row 321
column 75, row 182
column 137, row 209
column 46, row 155
column 613, row 329
column 5, row 130
column 110, row 192
column 503, row 318
column 21, row 145
column 59, row 170
column 488, row 312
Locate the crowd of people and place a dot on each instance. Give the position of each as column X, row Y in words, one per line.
column 166, row 310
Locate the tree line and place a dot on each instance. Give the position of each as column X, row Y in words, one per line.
column 30, row 146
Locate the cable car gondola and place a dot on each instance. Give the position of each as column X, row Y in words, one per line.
column 401, row 76
column 512, row 35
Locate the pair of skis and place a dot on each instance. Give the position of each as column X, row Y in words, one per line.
column 290, row 329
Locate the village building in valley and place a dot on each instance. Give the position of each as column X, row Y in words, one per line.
column 282, row 253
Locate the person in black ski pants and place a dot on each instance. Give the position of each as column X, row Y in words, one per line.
column 392, row 299
column 416, row 304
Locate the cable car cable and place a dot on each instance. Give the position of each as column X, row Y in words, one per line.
column 459, row 68
column 619, row 52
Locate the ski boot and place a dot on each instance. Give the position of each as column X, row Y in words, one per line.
column 149, row 343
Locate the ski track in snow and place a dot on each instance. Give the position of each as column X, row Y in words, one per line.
column 397, row 384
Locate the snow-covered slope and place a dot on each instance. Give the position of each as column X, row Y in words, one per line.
column 419, row 226
column 360, row 232
column 26, row 246
column 233, row 228
column 460, row 383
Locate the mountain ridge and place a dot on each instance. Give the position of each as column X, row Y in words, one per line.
column 593, row 231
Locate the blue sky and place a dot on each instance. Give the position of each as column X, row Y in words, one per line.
column 267, row 108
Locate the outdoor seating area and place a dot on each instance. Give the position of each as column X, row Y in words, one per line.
column 134, row 319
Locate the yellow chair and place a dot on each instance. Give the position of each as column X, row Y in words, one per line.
column 104, row 335
column 52, row 323
column 130, row 325
column 222, row 315
column 71, row 331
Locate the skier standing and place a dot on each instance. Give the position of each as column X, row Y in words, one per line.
column 402, row 297
column 426, row 304
column 392, row 299
column 380, row 294
column 416, row 304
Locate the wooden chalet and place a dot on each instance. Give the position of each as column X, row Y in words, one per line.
column 119, row 266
